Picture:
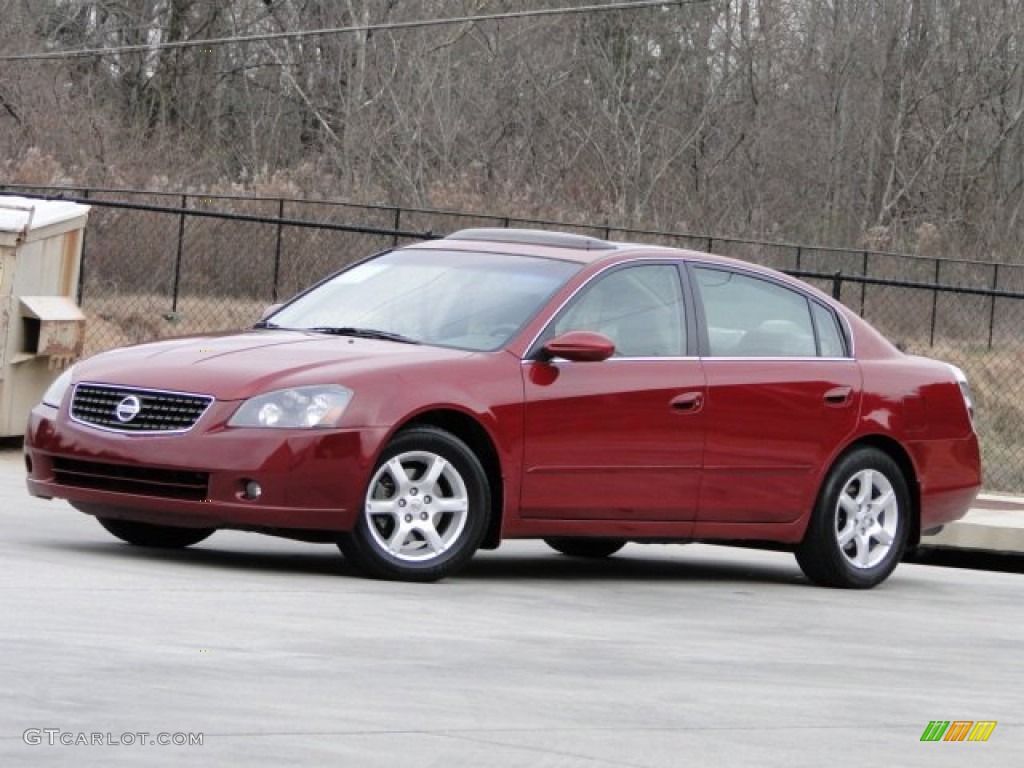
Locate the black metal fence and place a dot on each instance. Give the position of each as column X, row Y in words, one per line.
column 160, row 264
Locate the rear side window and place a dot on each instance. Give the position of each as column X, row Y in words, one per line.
column 830, row 337
column 750, row 317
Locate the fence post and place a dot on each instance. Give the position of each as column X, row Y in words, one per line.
column 799, row 257
column 935, row 303
column 992, row 306
column 398, row 226
column 81, row 262
column 711, row 243
column 277, row 250
column 177, row 258
column 863, row 286
column 837, row 286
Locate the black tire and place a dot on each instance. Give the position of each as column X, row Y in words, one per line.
column 158, row 536
column 402, row 533
column 585, row 547
column 858, row 531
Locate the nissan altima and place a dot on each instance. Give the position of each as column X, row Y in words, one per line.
column 442, row 397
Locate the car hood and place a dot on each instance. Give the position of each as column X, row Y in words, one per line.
column 240, row 365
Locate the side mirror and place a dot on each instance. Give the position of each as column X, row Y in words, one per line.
column 580, row 347
column 271, row 310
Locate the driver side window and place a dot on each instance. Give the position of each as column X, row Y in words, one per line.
column 639, row 308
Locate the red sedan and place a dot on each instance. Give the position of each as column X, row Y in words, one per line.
column 497, row 384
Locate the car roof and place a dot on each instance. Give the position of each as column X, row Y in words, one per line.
column 586, row 250
column 568, row 246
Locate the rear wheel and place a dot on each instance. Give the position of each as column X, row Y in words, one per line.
column 425, row 511
column 149, row 535
column 585, row 547
column 859, row 528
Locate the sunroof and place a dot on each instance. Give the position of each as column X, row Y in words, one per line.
column 534, row 237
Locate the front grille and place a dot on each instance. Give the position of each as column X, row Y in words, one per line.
column 119, row 478
column 126, row 409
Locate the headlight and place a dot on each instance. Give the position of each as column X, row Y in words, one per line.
column 55, row 392
column 295, row 408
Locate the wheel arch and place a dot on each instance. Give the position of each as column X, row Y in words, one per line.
column 470, row 431
column 894, row 450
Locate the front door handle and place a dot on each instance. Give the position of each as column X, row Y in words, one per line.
column 687, row 402
column 838, row 396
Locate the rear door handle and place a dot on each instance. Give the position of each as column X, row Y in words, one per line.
column 838, row 396
column 687, row 402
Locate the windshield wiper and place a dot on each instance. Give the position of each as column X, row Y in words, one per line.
column 363, row 333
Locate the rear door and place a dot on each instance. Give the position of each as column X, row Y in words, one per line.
column 783, row 391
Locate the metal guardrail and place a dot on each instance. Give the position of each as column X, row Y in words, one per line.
column 838, row 278
column 280, row 222
column 868, row 261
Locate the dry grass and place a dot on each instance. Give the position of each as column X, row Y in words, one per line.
column 131, row 319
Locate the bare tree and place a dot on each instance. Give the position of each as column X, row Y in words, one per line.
column 816, row 119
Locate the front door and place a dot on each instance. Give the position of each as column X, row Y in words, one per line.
column 623, row 438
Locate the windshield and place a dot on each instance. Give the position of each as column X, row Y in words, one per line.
column 460, row 299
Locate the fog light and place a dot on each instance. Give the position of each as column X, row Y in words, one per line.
column 253, row 490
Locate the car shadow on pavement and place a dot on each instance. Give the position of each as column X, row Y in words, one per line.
column 318, row 560
column 978, row 560
column 486, row 566
column 628, row 567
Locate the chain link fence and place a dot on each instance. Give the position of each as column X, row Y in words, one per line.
column 157, row 265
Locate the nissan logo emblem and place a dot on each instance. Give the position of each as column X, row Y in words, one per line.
column 128, row 409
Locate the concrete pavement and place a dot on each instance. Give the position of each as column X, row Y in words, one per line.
column 662, row 656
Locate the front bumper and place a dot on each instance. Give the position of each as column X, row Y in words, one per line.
column 311, row 479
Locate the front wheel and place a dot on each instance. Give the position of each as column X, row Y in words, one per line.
column 425, row 511
column 860, row 523
column 158, row 536
column 584, row 547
